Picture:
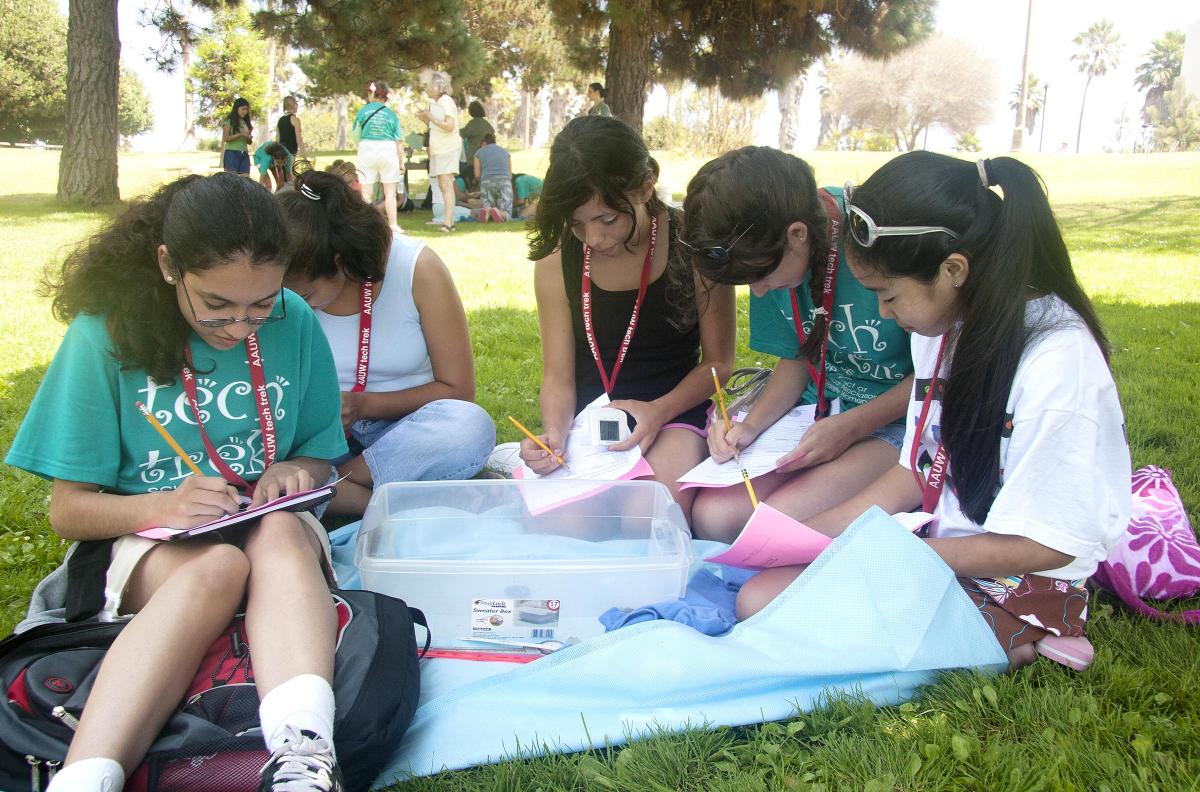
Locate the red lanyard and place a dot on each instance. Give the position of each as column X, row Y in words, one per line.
column 931, row 488
column 262, row 401
column 819, row 374
column 364, row 337
column 589, row 329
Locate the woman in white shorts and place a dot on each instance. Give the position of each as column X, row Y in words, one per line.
column 445, row 144
column 379, row 145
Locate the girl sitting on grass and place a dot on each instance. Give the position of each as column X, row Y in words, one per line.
column 179, row 304
column 1015, row 440
column 408, row 386
column 621, row 309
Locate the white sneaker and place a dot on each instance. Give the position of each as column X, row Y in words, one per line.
column 304, row 763
column 505, row 458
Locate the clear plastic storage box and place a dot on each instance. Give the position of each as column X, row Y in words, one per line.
column 473, row 557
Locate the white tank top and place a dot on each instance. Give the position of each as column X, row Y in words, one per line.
column 399, row 355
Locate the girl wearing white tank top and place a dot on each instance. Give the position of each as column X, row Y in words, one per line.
column 400, row 342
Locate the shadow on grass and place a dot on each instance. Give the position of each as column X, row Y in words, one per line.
column 38, row 209
column 1163, row 225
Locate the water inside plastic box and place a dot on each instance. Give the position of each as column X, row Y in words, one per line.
column 472, row 557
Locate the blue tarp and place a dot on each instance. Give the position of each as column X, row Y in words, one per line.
column 878, row 614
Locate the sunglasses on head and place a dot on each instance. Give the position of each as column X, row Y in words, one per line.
column 719, row 254
column 866, row 232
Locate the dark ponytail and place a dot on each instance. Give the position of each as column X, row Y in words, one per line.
column 328, row 222
column 1013, row 246
column 768, row 189
column 204, row 222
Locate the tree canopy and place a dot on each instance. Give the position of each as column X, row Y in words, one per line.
column 231, row 63
column 941, row 81
column 33, row 70
column 741, row 47
column 1157, row 73
column 1098, row 52
column 347, row 43
column 134, row 113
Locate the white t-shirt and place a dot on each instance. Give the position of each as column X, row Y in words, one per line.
column 399, row 356
column 441, row 141
column 1064, row 468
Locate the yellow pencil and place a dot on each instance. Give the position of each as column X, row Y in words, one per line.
column 162, row 430
column 728, row 426
column 534, row 438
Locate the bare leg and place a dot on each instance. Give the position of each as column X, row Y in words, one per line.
column 675, row 452
column 721, row 513
column 184, row 596
column 368, row 192
column 764, row 587
column 290, row 618
column 446, row 185
column 354, row 492
column 389, row 202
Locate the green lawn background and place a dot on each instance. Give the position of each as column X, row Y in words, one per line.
column 1131, row 722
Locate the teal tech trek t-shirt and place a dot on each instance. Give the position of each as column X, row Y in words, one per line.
column 867, row 354
column 383, row 124
column 83, row 426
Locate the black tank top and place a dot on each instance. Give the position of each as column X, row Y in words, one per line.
column 659, row 355
column 287, row 133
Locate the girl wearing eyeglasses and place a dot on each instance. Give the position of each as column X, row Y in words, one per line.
column 621, row 309
column 756, row 216
column 177, row 304
column 400, row 343
column 1015, row 436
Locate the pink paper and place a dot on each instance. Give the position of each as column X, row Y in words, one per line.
column 772, row 539
column 641, row 470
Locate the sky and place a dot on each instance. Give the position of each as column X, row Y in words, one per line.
column 996, row 28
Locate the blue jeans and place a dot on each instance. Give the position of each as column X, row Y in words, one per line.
column 446, row 439
column 892, row 434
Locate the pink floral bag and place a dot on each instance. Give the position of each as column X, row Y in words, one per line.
column 1157, row 557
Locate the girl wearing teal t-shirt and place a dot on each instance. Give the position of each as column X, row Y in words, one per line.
column 189, row 282
column 755, row 216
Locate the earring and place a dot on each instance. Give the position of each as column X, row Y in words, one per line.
column 957, row 284
column 172, row 280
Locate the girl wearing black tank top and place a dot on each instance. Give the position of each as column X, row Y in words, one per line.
column 598, row 205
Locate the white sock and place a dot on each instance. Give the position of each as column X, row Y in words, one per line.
column 89, row 775
column 304, row 702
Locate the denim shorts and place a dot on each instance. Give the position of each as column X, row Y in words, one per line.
column 892, row 434
column 236, row 161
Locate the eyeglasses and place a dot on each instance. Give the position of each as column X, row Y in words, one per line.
column 866, row 233
column 252, row 321
column 719, row 254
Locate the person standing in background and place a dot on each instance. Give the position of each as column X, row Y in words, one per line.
column 445, row 145
column 597, row 104
column 380, row 145
column 472, row 133
column 288, row 127
column 237, row 133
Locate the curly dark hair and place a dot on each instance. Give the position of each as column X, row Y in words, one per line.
column 759, row 191
column 204, row 222
column 337, row 223
column 603, row 157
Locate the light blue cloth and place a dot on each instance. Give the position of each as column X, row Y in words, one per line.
column 878, row 614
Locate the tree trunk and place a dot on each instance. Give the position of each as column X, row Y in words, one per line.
column 340, row 107
column 189, row 110
column 789, row 112
column 629, row 60
column 1082, row 104
column 559, row 97
column 87, row 170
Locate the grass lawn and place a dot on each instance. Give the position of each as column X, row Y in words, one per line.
column 1131, row 722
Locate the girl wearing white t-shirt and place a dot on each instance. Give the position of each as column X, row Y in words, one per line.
column 445, row 144
column 400, row 343
column 1015, row 437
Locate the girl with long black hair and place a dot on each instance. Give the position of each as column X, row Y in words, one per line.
column 1015, row 439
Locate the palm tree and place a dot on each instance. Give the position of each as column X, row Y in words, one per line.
column 1156, row 75
column 1033, row 101
column 1099, row 52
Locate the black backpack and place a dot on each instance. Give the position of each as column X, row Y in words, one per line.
column 213, row 741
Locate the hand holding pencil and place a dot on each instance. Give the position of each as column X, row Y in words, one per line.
column 541, row 453
column 728, row 429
